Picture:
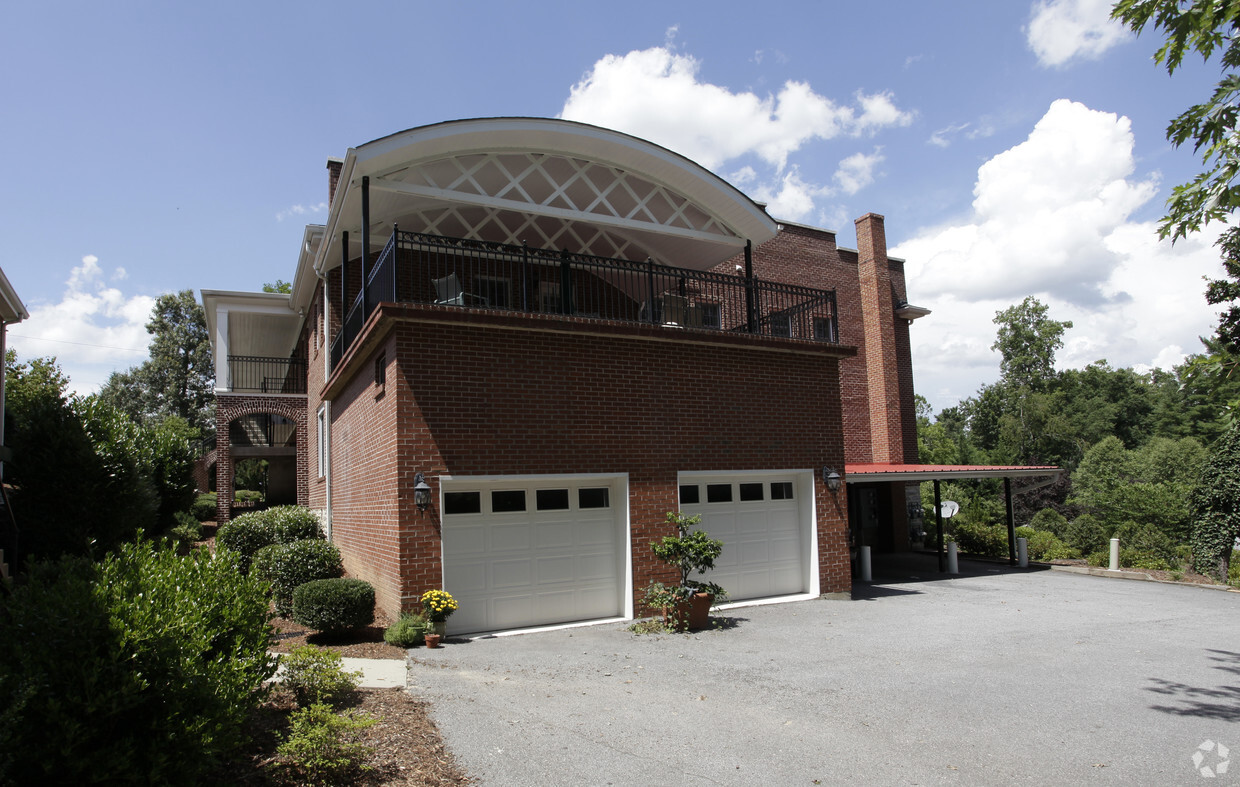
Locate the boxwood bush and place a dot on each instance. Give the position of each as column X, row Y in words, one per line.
column 204, row 507
column 286, row 566
column 250, row 532
column 334, row 605
column 140, row 669
column 292, row 523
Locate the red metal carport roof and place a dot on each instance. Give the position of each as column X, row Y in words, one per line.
column 881, row 471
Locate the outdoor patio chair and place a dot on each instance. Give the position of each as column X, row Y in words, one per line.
column 448, row 292
column 675, row 310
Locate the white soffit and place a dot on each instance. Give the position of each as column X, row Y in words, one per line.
column 551, row 183
column 259, row 323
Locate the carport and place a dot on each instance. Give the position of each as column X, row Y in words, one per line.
column 856, row 475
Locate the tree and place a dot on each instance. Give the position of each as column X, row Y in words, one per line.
column 1028, row 340
column 1150, row 485
column 1204, row 27
column 280, row 286
column 178, row 378
column 1216, row 506
column 84, row 476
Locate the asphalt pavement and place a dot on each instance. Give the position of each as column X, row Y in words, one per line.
column 1000, row 676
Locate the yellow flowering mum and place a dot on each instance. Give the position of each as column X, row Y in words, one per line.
column 437, row 605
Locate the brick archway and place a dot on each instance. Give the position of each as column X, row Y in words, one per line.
column 230, row 407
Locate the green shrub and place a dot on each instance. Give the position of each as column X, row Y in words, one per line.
column 408, row 632
column 334, row 605
column 317, row 676
column 1137, row 558
column 286, row 566
column 1147, row 539
column 292, row 523
column 187, row 528
column 1043, row 545
column 140, row 669
column 247, row 496
column 1085, row 534
column 1233, row 570
column 204, row 508
column 322, row 746
column 1099, row 559
column 982, row 540
column 1050, row 520
column 245, row 535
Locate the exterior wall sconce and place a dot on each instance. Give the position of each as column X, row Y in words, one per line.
column 832, row 479
column 421, row 492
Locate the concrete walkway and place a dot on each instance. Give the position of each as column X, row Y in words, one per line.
column 378, row 673
column 1027, row 677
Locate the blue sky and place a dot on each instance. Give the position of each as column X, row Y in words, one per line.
column 1015, row 148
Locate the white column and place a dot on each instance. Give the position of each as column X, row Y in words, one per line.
column 222, row 382
column 1022, row 552
column 1114, row 555
column 953, row 563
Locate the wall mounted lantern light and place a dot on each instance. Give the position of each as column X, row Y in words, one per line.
column 421, row 492
column 832, row 479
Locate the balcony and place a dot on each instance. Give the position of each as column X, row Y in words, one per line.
column 453, row 272
column 257, row 374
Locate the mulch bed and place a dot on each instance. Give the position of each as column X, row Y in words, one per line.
column 1184, row 577
column 365, row 643
column 406, row 746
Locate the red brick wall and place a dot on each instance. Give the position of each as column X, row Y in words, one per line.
column 229, row 407
column 877, row 398
column 475, row 394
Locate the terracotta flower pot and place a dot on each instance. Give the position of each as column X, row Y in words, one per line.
column 432, row 640
column 691, row 615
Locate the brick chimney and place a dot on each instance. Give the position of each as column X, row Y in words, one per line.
column 333, row 178
column 878, row 317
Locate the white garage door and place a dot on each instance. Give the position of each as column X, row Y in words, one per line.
column 529, row 553
column 759, row 521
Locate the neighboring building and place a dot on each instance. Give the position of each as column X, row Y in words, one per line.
column 11, row 312
column 565, row 333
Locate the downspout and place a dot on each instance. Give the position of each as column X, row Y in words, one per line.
column 365, row 246
column 326, row 404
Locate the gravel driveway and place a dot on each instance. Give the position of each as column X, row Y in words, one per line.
column 1026, row 677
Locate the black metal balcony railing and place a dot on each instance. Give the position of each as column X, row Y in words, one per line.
column 252, row 373
column 418, row 268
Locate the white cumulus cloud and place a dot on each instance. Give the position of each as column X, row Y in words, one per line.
column 857, row 171
column 93, row 330
column 300, row 210
column 1051, row 218
column 1060, row 31
column 657, row 94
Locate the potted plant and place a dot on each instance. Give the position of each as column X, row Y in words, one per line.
column 437, row 607
column 685, row 605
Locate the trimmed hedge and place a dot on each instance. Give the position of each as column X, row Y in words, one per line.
column 286, row 566
column 204, row 509
column 141, row 669
column 249, row 533
column 334, row 605
column 292, row 523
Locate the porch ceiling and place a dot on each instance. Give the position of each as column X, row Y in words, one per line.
column 258, row 324
column 550, row 183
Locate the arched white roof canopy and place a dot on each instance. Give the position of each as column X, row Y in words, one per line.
column 550, row 183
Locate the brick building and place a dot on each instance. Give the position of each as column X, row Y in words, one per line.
column 566, row 332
